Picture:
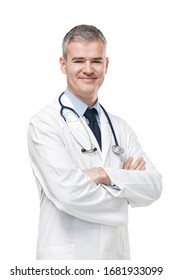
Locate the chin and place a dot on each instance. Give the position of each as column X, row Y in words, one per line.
column 89, row 93
column 90, row 89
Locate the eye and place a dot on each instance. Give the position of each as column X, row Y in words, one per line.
column 96, row 61
column 78, row 61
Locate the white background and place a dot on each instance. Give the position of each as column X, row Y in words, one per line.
column 138, row 87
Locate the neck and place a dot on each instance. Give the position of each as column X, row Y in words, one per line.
column 90, row 100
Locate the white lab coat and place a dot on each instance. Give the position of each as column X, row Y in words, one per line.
column 79, row 219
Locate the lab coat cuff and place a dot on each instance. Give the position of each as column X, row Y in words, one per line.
column 114, row 185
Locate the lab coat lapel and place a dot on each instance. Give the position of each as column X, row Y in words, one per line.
column 77, row 128
column 106, row 136
column 81, row 131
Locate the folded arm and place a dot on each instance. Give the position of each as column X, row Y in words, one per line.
column 64, row 183
column 136, row 184
column 99, row 176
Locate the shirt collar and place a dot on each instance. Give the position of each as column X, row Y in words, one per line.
column 79, row 106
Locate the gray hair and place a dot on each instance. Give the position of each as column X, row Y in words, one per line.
column 82, row 33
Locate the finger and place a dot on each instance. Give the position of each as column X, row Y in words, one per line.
column 128, row 163
column 138, row 164
column 135, row 164
column 141, row 166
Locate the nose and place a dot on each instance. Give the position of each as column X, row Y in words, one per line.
column 87, row 69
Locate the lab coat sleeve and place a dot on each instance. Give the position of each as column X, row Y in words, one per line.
column 64, row 184
column 140, row 188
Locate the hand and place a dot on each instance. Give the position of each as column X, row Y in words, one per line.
column 98, row 175
column 138, row 164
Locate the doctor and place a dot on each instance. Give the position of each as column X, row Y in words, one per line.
column 86, row 178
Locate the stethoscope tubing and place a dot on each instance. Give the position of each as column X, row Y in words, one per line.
column 110, row 124
column 116, row 148
column 65, row 107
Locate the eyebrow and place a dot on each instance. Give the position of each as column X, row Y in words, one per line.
column 77, row 58
column 82, row 58
column 97, row 58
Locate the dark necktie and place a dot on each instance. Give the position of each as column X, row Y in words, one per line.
column 90, row 114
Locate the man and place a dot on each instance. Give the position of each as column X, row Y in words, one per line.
column 85, row 188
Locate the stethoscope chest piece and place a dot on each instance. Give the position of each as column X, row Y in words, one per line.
column 117, row 149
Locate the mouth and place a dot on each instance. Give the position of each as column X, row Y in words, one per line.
column 88, row 79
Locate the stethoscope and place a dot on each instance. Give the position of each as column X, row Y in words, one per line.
column 115, row 148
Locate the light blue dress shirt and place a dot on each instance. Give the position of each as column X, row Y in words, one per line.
column 80, row 107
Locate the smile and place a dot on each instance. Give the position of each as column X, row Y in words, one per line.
column 88, row 79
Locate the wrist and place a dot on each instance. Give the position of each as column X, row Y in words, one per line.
column 104, row 178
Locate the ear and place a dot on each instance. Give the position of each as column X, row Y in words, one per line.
column 62, row 62
column 107, row 63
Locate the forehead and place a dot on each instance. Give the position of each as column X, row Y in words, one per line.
column 86, row 49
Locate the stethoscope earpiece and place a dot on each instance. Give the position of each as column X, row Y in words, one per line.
column 83, row 150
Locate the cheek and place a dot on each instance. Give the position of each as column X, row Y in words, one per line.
column 71, row 77
column 70, row 70
column 103, row 73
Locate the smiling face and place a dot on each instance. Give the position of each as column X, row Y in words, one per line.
column 85, row 66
